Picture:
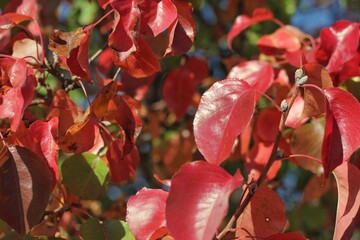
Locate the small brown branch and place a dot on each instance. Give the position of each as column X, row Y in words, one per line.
column 272, row 158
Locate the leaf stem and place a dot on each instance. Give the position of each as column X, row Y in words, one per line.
column 270, row 99
column 304, row 156
column 273, row 156
column 103, row 17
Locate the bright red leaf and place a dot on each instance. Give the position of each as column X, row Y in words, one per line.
column 338, row 44
column 347, row 214
column 157, row 16
column 243, row 21
column 146, row 212
column 258, row 74
column 284, row 39
column 224, row 112
column 18, row 83
column 199, row 196
column 342, row 129
column 263, row 217
column 122, row 39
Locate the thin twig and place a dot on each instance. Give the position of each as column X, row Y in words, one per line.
column 273, row 156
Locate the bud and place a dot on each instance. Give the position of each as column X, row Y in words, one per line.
column 302, row 80
column 299, row 73
column 284, row 105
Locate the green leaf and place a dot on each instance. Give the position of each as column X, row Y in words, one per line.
column 7, row 233
column 94, row 229
column 85, row 175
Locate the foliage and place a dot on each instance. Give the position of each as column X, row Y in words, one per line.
column 98, row 113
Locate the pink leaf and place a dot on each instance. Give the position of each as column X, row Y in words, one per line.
column 347, row 214
column 198, row 197
column 243, row 21
column 342, row 129
column 224, row 112
column 146, row 212
column 258, row 74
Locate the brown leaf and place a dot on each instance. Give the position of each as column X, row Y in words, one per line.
column 315, row 103
column 62, row 43
column 25, row 187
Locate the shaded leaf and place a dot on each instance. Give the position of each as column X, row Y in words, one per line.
column 243, row 21
column 267, row 124
column 264, row 216
column 122, row 167
column 307, row 140
column 84, row 175
column 347, row 214
column 94, row 229
column 199, row 196
column 149, row 203
column 342, row 128
column 258, row 74
column 25, row 187
column 136, row 87
column 314, row 101
column 224, row 112
column 286, row 236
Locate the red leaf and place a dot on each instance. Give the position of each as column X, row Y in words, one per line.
column 286, row 236
column 294, row 119
column 267, row 125
column 178, row 90
column 258, row 74
column 127, row 16
column 243, row 21
column 21, row 87
column 282, row 40
column 9, row 20
column 136, row 87
column 25, row 187
column 199, row 196
column 104, row 62
column 224, row 112
column 199, row 67
column 141, row 63
column 146, row 212
column 121, row 167
column 157, row 16
column 43, row 135
column 24, row 7
column 342, row 129
column 257, row 159
column 263, row 217
column 338, row 44
column 182, row 32
column 347, row 214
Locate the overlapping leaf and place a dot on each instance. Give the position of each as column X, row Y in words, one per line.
column 286, row 236
column 258, row 74
column 224, row 112
column 342, row 129
column 18, row 83
column 94, row 229
column 25, row 187
column 243, row 21
column 199, row 196
column 146, row 213
column 347, row 214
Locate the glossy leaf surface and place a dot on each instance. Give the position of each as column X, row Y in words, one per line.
column 342, row 128
column 347, row 213
column 224, row 112
column 148, row 208
column 25, row 187
column 199, row 195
